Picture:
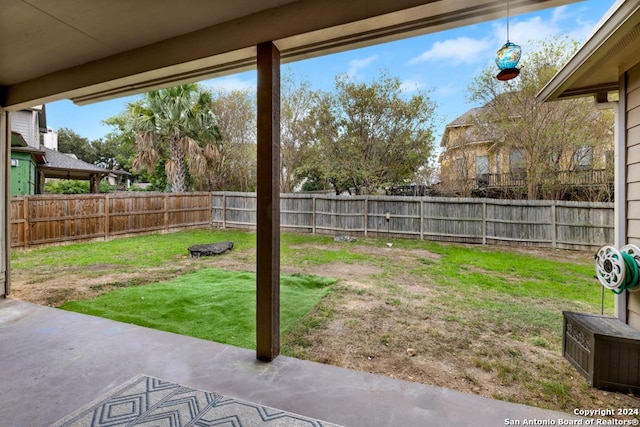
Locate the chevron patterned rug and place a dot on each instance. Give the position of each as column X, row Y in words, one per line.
column 147, row 401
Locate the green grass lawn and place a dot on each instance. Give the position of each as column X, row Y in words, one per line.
column 132, row 252
column 212, row 304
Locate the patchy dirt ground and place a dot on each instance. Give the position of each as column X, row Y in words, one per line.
column 379, row 320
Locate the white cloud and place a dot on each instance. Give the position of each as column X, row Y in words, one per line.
column 231, row 83
column 356, row 65
column 582, row 31
column 523, row 32
column 561, row 23
column 559, row 14
column 463, row 50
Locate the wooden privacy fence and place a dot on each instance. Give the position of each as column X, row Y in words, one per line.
column 555, row 224
column 49, row 219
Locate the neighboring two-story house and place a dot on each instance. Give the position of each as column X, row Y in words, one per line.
column 472, row 163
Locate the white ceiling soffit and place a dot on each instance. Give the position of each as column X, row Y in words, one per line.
column 613, row 48
column 101, row 49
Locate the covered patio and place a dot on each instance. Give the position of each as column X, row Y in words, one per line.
column 54, row 362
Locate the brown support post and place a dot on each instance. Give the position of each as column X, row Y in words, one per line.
column 41, row 181
column 268, row 204
column 5, row 204
column 92, row 184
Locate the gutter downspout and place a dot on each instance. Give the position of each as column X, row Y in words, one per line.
column 620, row 189
column 620, row 173
column 620, row 184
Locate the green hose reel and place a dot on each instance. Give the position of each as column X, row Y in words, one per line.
column 618, row 270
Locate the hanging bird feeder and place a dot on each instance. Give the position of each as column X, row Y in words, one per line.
column 508, row 56
column 507, row 59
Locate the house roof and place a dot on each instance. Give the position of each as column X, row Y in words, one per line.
column 467, row 118
column 17, row 140
column 60, row 165
column 37, row 155
column 102, row 49
column 595, row 69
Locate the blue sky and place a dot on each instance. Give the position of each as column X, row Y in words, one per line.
column 444, row 63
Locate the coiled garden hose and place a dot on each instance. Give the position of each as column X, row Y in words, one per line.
column 630, row 280
column 618, row 271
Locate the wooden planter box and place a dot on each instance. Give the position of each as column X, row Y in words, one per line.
column 604, row 350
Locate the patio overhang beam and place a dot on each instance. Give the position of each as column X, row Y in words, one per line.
column 64, row 173
column 299, row 29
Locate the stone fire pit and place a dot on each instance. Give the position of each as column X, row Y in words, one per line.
column 210, row 249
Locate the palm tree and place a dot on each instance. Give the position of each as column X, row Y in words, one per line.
column 175, row 124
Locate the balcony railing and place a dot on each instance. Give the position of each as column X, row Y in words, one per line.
column 568, row 178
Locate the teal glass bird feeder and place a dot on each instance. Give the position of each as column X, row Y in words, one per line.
column 508, row 56
column 507, row 59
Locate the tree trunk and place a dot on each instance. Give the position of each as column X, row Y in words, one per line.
column 534, row 179
column 178, row 177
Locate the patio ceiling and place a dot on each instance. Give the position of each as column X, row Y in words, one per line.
column 101, row 49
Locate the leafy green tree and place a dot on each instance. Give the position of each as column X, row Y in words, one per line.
column 118, row 149
column 233, row 168
column 297, row 99
column 553, row 136
column 176, row 124
column 114, row 151
column 69, row 142
column 369, row 136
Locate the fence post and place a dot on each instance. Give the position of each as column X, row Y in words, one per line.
column 484, row 221
column 421, row 219
column 366, row 215
column 224, row 210
column 211, row 209
column 166, row 212
column 25, row 208
column 107, row 209
column 554, row 238
column 313, row 214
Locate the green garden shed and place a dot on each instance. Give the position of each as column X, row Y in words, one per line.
column 25, row 178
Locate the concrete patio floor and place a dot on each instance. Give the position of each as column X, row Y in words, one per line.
column 52, row 362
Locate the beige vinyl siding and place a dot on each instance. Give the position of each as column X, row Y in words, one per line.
column 633, row 191
column 633, row 180
column 633, row 154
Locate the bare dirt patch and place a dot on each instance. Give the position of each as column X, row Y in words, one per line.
column 344, row 270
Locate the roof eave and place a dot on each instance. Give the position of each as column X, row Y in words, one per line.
column 565, row 84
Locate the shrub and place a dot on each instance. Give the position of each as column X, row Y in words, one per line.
column 72, row 186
